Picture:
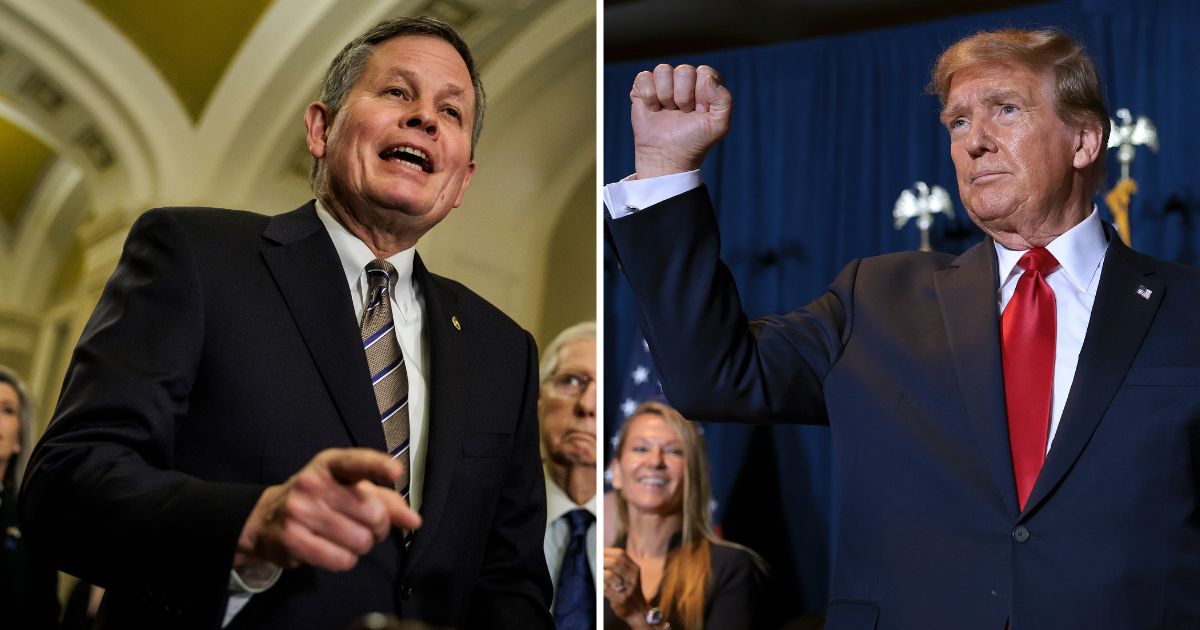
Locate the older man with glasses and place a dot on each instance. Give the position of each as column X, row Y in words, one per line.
column 567, row 416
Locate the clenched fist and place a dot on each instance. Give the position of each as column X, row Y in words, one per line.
column 678, row 114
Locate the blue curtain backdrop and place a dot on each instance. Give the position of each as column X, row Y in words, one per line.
column 825, row 135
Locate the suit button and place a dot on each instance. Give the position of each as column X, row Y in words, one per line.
column 1020, row 534
column 405, row 591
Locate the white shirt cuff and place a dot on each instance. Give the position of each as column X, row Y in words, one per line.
column 630, row 195
column 245, row 584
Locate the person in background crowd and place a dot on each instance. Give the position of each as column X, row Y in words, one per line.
column 668, row 568
column 28, row 584
column 567, row 417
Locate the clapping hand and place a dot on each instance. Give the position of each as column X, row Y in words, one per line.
column 623, row 586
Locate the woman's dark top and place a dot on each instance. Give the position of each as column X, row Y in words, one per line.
column 732, row 599
column 28, row 586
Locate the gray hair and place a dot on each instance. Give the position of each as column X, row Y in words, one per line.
column 549, row 363
column 348, row 66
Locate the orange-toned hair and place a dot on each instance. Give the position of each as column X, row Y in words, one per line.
column 689, row 567
column 1078, row 96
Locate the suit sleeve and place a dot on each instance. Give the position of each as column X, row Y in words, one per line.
column 715, row 364
column 514, row 589
column 101, row 496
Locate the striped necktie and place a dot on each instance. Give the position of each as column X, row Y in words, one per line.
column 388, row 375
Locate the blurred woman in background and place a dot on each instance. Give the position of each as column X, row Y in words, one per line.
column 668, row 568
column 28, row 586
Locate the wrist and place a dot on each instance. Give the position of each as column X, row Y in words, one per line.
column 656, row 619
column 637, row 618
column 647, row 165
column 246, row 553
column 647, row 617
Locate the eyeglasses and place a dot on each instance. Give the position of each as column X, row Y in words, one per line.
column 570, row 385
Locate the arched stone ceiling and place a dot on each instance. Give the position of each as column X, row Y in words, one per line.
column 190, row 43
column 23, row 159
column 142, row 103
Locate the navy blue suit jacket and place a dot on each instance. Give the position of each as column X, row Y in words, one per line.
column 223, row 355
column 901, row 357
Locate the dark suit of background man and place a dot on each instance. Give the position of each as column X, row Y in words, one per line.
column 567, row 417
column 218, row 421
column 946, row 522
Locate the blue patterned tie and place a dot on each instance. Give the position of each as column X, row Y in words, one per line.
column 575, row 601
column 389, row 377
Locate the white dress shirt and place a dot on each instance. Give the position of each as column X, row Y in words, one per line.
column 630, row 195
column 408, row 308
column 558, row 529
column 1080, row 252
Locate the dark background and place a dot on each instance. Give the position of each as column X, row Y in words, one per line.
column 828, row 127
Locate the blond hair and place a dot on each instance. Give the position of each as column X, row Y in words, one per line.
column 689, row 567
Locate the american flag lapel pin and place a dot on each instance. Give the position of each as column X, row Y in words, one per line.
column 1144, row 292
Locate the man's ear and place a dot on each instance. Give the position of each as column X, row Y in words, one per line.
column 466, row 182
column 317, row 120
column 1088, row 139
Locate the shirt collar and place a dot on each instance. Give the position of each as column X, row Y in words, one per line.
column 558, row 503
column 355, row 255
column 1079, row 252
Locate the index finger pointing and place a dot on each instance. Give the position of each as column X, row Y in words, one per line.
column 354, row 464
column 398, row 511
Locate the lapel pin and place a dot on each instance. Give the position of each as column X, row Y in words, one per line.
column 454, row 320
column 1144, row 292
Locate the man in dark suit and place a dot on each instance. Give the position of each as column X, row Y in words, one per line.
column 218, row 457
column 1017, row 429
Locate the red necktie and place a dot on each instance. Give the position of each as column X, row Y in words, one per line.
column 1027, row 333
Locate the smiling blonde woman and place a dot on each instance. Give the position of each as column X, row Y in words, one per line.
column 669, row 569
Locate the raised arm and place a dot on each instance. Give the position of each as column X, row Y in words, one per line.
column 714, row 363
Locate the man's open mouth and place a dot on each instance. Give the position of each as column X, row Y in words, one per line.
column 411, row 157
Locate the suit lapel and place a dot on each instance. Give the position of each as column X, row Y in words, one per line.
column 449, row 406
column 305, row 266
column 1121, row 316
column 967, row 296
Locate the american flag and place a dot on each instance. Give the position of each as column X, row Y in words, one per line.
column 640, row 384
column 641, row 381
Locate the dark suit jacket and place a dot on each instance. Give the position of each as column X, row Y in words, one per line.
column 223, row 355
column 902, row 358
